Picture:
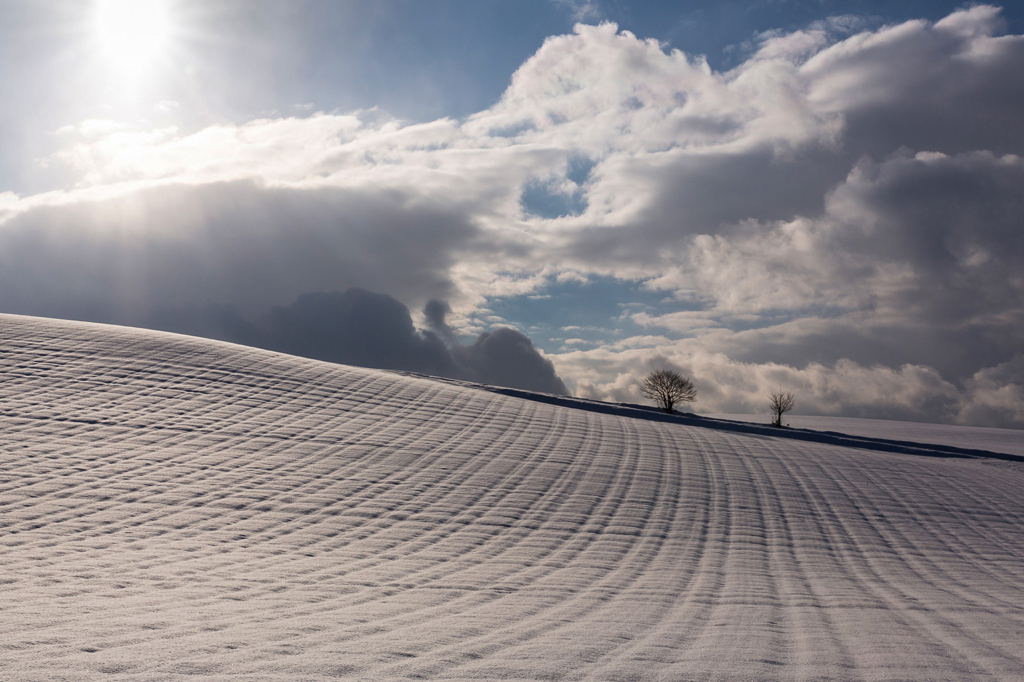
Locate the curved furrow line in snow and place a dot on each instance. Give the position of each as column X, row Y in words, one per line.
column 545, row 606
column 557, row 475
column 350, row 487
column 702, row 561
column 901, row 519
column 865, row 620
column 879, row 567
column 457, row 501
column 932, row 598
column 996, row 521
column 678, row 539
column 745, row 615
column 405, row 551
column 811, row 634
column 994, row 517
column 530, row 634
column 934, row 556
column 931, row 554
column 172, row 506
column 821, row 551
column 618, row 590
column 635, row 588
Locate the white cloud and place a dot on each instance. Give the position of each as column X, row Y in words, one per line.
column 995, row 395
column 844, row 213
column 910, row 392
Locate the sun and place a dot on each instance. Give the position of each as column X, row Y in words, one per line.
column 132, row 34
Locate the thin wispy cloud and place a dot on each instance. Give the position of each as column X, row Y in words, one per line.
column 582, row 10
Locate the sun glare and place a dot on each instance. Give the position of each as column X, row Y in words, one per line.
column 132, row 33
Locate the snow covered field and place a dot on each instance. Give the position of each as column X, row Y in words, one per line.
column 996, row 440
column 171, row 506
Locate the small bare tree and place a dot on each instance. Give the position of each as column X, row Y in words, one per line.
column 668, row 388
column 780, row 403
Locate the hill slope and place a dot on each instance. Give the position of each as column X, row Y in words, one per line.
column 174, row 506
column 1007, row 441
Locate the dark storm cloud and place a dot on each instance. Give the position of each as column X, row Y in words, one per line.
column 507, row 357
column 435, row 312
column 356, row 327
column 359, row 327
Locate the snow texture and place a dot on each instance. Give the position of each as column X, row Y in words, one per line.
column 1009, row 441
column 171, row 506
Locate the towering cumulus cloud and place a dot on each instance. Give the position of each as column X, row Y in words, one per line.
column 840, row 214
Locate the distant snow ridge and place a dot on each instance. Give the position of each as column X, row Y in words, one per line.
column 173, row 506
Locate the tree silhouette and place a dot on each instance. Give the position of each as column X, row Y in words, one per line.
column 668, row 388
column 780, row 403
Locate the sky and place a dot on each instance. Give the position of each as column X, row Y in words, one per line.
column 824, row 197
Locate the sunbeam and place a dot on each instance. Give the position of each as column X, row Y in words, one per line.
column 132, row 34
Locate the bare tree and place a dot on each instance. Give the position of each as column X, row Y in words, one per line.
column 780, row 403
column 668, row 388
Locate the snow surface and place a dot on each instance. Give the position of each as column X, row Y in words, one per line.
column 996, row 440
column 172, row 506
